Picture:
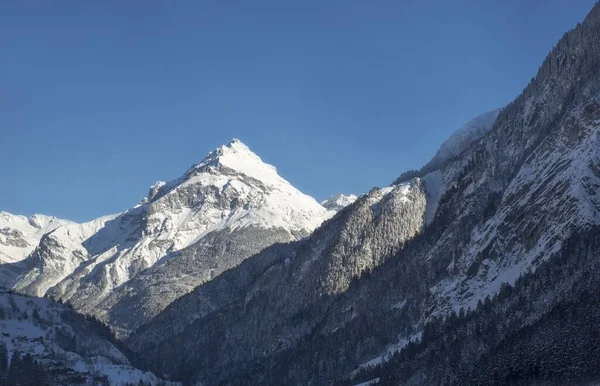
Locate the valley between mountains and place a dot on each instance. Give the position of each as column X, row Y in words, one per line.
column 480, row 268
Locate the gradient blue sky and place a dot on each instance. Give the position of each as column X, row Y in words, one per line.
column 99, row 101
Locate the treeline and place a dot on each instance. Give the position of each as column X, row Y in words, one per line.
column 21, row 370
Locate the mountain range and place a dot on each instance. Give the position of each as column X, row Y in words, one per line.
column 479, row 268
column 481, row 246
column 125, row 268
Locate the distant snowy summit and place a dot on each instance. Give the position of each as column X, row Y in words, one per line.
column 338, row 202
column 19, row 235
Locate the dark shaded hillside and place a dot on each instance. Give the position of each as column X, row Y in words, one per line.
column 514, row 338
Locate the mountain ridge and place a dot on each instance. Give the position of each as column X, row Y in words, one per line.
column 230, row 195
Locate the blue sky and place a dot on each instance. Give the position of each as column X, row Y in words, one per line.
column 99, row 101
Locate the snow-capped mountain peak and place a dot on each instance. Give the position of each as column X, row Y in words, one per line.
column 244, row 189
column 220, row 211
column 338, row 202
column 236, row 156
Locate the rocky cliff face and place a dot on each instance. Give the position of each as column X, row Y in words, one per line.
column 124, row 269
column 395, row 263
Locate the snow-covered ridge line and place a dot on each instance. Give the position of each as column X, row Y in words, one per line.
column 19, row 235
column 464, row 137
column 338, row 202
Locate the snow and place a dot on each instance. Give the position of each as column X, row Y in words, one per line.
column 378, row 198
column 31, row 230
column 539, row 186
column 21, row 336
column 33, row 325
column 277, row 204
column 399, row 305
column 388, row 354
column 338, row 202
column 434, row 186
column 68, row 240
column 461, row 139
column 238, row 156
column 388, row 189
column 231, row 189
column 373, row 381
column 118, row 375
